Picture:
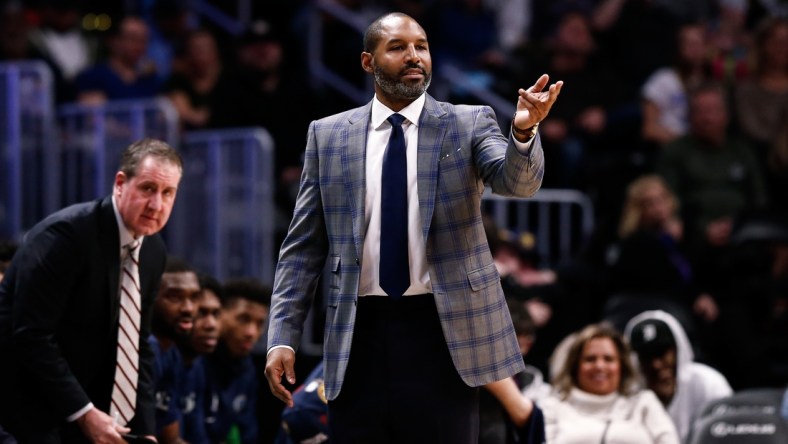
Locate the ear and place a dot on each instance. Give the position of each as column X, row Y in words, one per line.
column 120, row 180
column 366, row 62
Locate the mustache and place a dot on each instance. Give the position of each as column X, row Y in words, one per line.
column 410, row 66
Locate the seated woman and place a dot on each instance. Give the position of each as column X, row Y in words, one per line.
column 595, row 398
column 649, row 262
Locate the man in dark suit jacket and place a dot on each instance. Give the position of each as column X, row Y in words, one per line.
column 60, row 307
column 445, row 329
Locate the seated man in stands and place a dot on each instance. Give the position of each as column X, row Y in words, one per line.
column 124, row 75
column 666, row 361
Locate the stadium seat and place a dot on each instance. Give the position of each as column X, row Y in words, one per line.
column 741, row 428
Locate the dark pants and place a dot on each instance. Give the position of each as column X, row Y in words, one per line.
column 401, row 385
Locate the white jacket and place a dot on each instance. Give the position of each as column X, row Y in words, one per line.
column 696, row 384
column 585, row 418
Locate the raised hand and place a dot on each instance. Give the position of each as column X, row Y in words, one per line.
column 533, row 104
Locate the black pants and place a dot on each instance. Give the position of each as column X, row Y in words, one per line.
column 401, row 385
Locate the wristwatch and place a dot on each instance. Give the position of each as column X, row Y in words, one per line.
column 529, row 133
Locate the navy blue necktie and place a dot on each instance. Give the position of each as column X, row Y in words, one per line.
column 394, row 269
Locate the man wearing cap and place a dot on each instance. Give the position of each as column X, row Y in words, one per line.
column 666, row 362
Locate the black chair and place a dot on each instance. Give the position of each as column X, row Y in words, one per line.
column 741, row 428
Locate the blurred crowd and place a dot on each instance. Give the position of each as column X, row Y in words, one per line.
column 673, row 119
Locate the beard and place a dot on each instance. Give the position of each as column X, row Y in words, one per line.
column 394, row 87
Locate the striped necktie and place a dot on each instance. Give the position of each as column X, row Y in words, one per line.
column 124, row 393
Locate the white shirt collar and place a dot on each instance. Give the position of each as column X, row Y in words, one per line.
column 381, row 112
column 125, row 236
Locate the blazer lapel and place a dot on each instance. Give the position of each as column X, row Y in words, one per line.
column 110, row 243
column 354, row 155
column 432, row 130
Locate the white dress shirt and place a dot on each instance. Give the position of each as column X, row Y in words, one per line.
column 377, row 140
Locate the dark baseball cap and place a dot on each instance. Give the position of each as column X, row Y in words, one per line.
column 651, row 337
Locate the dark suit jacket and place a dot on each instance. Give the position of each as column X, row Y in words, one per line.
column 59, row 308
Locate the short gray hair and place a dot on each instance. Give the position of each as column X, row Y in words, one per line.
column 135, row 153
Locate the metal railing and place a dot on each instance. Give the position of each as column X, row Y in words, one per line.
column 561, row 221
column 28, row 176
column 223, row 220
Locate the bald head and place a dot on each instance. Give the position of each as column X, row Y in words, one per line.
column 375, row 30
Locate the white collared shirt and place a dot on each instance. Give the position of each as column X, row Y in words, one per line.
column 377, row 140
column 125, row 236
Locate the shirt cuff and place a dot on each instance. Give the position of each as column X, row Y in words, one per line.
column 523, row 147
column 78, row 414
column 279, row 346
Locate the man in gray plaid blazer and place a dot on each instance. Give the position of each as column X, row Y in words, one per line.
column 404, row 367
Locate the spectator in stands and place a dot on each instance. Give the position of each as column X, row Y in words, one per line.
column 666, row 362
column 547, row 14
column 762, row 100
column 230, row 373
column 596, row 399
column 14, row 33
column 714, row 175
column 578, row 127
column 201, row 84
column 173, row 320
column 60, row 41
column 649, row 265
column 665, row 108
column 466, row 38
column 126, row 74
column 638, row 36
column 272, row 95
column 730, row 42
column 169, row 22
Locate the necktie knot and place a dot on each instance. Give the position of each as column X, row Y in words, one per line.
column 396, row 119
column 132, row 248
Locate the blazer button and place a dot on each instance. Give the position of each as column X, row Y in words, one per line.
column 357, row 261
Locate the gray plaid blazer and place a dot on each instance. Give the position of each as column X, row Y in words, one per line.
column 461, row 149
